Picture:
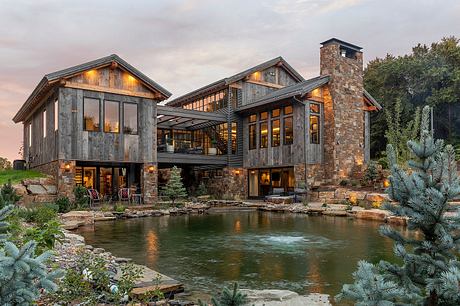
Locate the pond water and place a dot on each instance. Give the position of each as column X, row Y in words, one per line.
column 260, row 250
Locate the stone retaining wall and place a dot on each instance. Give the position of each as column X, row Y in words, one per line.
column 36, row 190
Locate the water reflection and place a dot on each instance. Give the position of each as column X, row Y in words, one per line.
column 260, row 250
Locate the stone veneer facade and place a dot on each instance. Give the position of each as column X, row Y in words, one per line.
column 232, row 185
column 343, row 112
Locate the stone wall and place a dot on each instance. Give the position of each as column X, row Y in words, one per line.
column 66, row 179
column 50, row 169
column 36, row 190
column 344, row 115
column 233, row 184
column 149, row 183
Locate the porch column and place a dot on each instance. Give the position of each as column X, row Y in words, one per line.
column 149, row 183
column 66, row 178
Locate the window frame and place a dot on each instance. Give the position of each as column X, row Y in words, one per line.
column 272, row 128
column 285, row 142
column 104, row 115
column 137, row 117
column 44, row 125
column 98, row 114
column 254, row 138
column 56, row 115
column 261, row 136
column 317, row 115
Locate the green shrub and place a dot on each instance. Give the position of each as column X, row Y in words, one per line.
column 45, row 235
column 228, row 297
column 7, row 195
column 344, row 183
column 119, row 207
column 202, row 190
column 371, row 173
column 81, row 197
column 63, row 204
column 39, row 214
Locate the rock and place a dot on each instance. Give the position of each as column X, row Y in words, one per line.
column 340, row 193
column 72, row 224
column 284, row 298
column 36, row 189
column 397, row 220
column 84, row 216
column 98, row 251
column 20, row 189
column 356, row 195
column 104, row 218
column 122, row 260
column 50, row 189
column 74, row 237
column 332, row 212
column 372, row 214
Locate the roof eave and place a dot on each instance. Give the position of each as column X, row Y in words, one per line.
column 372, row 100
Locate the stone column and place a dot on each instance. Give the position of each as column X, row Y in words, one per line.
column 149, row 175
column 66, row 178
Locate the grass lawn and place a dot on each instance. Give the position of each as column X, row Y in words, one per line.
column 17, row 175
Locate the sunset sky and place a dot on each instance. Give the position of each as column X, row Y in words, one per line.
column 186, row 44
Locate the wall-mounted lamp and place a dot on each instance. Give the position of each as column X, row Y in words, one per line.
column 67, row 167
column 237, row 172
column 151, row 169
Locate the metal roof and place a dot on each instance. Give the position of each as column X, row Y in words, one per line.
column 298, row 89
column 372, row 100
column 50, row 79
column 343, row 43
column 239, row 76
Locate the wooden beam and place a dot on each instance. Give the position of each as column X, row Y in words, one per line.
column 192, row 114
column 110, row 90
column 370, row 108
column 266, row 84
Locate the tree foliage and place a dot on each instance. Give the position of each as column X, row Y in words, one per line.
column 7, row 195
column 228, row 297
column 429, row 274
column 5, row 164
column 428, row 75
column 22, row 274
column 175, row 189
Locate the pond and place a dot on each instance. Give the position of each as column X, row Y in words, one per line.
column 260, row 250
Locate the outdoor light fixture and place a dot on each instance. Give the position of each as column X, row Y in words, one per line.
column 151, row 169
column 237, row 172
column 67, row 167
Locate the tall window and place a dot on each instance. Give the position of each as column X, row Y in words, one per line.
column 56, row 115
column 314, row 123
column 91, row 114
column 234, row 137
column 111, row 116
column 263, row 134
column 276, row 138
column 129, row 118
column 44, row 123
column 252, row 137
column 288, row 131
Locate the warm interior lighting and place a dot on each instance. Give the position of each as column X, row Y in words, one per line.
column 237, row 172
column 151, row 169
column 316, row 92
column 256, row 76
column 67, row 167
column 253, row 172
column 386, row 183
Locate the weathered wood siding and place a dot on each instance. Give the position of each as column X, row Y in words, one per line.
column 275, row 75
column 43, row 149
column 77, row 144
column 283, row 155
column 367, row 137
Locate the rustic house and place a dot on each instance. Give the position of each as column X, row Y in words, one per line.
column 100, row 125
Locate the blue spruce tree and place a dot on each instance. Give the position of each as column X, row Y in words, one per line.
column 22, row 275
column 430, row 270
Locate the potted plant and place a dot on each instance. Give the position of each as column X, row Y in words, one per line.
column 212, row 150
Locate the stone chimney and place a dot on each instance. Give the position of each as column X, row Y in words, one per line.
column 343, row 109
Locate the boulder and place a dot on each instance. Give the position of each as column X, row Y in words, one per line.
column 84, row 216
column 71, row 224
column 284, row 297
column 372, row 214
column 20, row 189
column 36, row 189
column 50, row 189
column 397, row 220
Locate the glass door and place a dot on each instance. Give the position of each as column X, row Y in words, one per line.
column 253, row 183
column 106, row 182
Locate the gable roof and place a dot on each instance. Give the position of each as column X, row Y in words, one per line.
column 235, row 78
column 299, row 89
column 50, row 79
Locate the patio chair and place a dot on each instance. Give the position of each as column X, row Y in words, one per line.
column 124, row 194
column 94, row 197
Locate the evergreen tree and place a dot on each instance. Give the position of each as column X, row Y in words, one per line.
column 430, row 270
column 22, row 275
column 202, row 190
column 8, row 195
column 175, row 189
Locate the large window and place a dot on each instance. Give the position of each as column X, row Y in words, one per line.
column 56, row 115
column 91, row 114
column 111, row 116
column 129, row 118
column 30, row 135
column 44, row 123
column 234, row 137
column 288, row 131
column 263, row 134
column 210, row 103
column 276, row 138
column 252, row 137
column 314, row 123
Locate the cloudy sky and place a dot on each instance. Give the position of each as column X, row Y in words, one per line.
column 186, row 44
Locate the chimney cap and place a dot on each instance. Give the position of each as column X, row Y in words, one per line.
column 341, row 43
